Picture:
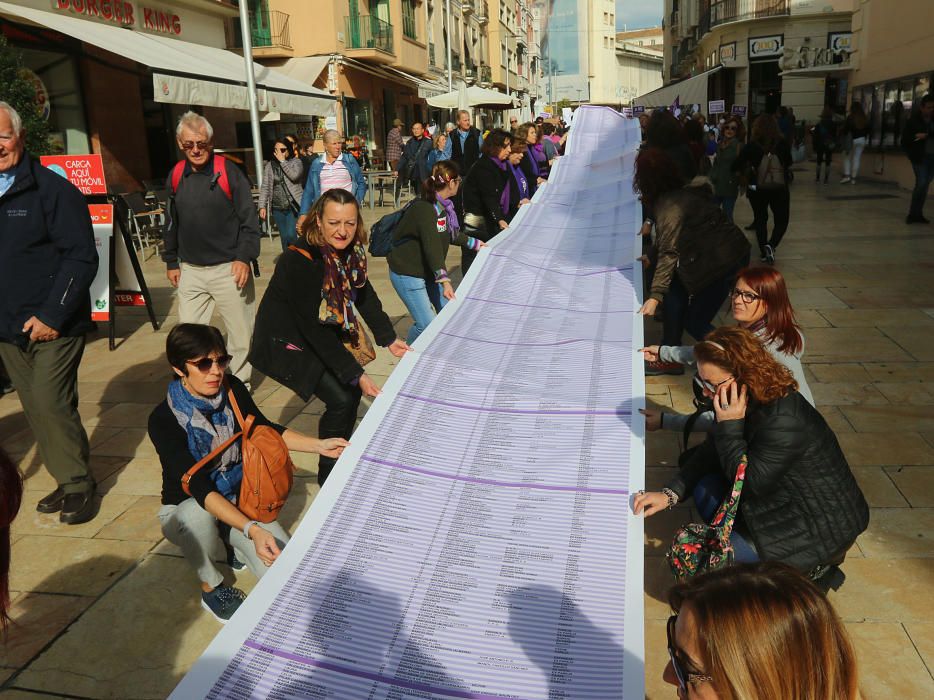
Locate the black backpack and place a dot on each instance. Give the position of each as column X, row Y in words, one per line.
column 381, row 233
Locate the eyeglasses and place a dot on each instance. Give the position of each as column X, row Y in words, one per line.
column 205, row 363
column 191, row 145
column 712, row 388
column 747, row 297
column 683, row 675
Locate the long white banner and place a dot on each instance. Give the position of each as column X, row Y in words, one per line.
column 476, row 541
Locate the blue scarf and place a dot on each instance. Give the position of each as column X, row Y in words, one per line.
column 208, row 423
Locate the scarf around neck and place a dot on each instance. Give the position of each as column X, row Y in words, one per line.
column 520, row 180
column 344, row 272
column 208, row 423
column 504, row 197
column 454, row 224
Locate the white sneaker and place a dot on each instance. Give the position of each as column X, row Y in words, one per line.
column 853, row 181
column 844, row 180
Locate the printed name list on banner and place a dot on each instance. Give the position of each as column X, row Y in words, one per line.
column 476, row 538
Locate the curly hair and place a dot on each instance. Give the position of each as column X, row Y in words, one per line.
column 311, row 227
column 739, row 352
column 656, row 173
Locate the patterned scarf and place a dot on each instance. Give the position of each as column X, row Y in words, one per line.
column 453, row 224
column 504, row 197
column 344, row 271
column 208, row 423
column 521, row 180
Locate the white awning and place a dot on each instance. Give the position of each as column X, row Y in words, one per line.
column 473, row 96
column 426, row 88
column 692, row 91
column 187, row 73
column 305, row 68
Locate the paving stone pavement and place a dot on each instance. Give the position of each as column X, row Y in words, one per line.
column 109, row 609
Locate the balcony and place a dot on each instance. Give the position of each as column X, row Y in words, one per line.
column 482, row 12
column 269, row 29
column 370, row 35
column 726, row 11
column 467, row 7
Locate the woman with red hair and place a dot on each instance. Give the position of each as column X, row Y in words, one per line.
column 800, row 502
column 760, row 304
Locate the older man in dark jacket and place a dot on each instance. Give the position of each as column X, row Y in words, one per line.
column 48, row 260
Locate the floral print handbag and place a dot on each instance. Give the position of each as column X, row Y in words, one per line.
column 699, row 547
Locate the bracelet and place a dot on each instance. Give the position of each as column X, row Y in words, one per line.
column 672, row 498
column 246, row 529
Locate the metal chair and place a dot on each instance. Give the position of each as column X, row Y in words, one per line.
column 145, row 223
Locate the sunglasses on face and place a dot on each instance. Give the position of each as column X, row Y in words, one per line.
column 747, row 297
column 191, row 145
column 683, row 675
column 282, row 150
column 205, row 363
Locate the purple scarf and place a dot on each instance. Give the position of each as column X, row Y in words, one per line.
column 539, row 159
column 504, row 198
column 453, row 224
column 521, row 180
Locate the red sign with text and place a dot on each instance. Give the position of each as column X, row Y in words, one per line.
column 86, row 172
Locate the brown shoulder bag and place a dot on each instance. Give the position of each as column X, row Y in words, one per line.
column 267, row 467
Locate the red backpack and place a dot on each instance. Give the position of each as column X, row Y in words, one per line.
column 220, row 175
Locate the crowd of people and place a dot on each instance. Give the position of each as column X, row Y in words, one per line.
column 800, row 510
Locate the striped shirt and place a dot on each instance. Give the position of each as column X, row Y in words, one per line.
column 335, row 175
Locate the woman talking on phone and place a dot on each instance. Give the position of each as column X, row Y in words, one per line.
column 800, row 502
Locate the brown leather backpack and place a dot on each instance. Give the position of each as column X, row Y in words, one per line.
column 267, row 467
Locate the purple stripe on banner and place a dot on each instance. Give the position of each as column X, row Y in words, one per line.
column 534, row 306
column 572, row 274
column 533, row 345
column 532, row 411
column 327, row 665
column 494, row 482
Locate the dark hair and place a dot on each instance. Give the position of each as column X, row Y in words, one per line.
column 826, row 112
column 495, row 141
column 11, row 496
column 548, row 128
column 284, row 142
column 858, row 115
column 519, row 147
column 694, row 130
column 441, row 174
column 927, row 98
column 780, row 324
column 192, row 341
column 765, row 131
column 663, row 130
column 656, row 173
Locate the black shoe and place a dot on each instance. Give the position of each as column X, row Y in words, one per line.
column 751, row 227
column 831, row 578
column 769, row 257
column 916, row 220
column 52, row 503
column 6, row 386
column 77, row 508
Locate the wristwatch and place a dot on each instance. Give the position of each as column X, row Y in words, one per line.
column 246, row 529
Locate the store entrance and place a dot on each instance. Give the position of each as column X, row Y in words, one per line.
column 765, row 87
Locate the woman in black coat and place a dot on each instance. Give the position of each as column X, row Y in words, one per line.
column 485, row 193
column 800, row 503
column 307, row 336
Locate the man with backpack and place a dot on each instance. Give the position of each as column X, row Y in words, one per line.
column 211, row 237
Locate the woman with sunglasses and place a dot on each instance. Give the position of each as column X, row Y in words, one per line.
column 800, row 502
column 417, row 261
column 724, row 179
column 760, row 304
column 757, row 632
column 308, row 336
column 196, row 417
column 281, row 191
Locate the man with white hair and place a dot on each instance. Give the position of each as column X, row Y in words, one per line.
column 48, row 260
column 211, row 237
column 334, row 170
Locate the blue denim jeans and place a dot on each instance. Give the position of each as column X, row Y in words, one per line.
column 421, row 297
column 924, row 173
column 708, row 496
column 285, row 222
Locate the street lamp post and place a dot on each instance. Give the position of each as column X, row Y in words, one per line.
column 251, row 90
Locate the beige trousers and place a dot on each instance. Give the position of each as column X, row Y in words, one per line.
column 200, row 289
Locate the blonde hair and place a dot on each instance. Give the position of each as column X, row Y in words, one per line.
column 311, row 229
column 767, row 633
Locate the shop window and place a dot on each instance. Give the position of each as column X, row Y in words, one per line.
column 57, row 83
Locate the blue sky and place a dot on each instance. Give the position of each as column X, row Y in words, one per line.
column 636, row 14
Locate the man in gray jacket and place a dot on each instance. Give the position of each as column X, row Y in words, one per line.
column 211, row 238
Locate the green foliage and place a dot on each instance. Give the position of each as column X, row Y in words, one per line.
column 18, row 91
column 562, row 104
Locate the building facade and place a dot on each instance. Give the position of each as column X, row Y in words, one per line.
column 639, row 59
